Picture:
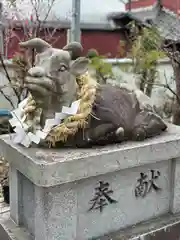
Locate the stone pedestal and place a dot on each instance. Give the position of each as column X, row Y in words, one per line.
column 79, row 194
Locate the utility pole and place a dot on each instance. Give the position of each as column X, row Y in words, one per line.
column 75, row 24
column 1, row 31
column 129, row 5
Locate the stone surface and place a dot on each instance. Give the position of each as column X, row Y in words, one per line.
column 49, row 167
column 128, row 210
column 15, row 189
column 54, row 188
column 175, row 204
column 3, row 234
column 4, row 210
column 162, row 228
column 63, row 210
column 10, row 231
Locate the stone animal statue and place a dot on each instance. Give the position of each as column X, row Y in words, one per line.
column 117, row 114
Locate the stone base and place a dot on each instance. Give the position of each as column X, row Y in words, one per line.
column 166, row 228
column 10, row 231
column 163, row 228
column 3, row 234
column 81, row 194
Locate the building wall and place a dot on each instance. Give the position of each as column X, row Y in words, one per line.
column 58, row 39
column 124, row 75
column 105, row 42
column 135, row 4
column 173, row 5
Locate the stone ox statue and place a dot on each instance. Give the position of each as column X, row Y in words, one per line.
column 117, row 114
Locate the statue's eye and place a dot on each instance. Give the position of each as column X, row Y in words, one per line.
column 62, row 68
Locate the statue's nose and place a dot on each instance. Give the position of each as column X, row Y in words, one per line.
column 36, row 72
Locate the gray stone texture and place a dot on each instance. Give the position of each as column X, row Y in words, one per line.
column 128, row 210
column 175, row 191
column 52, row 189
column 61, row 212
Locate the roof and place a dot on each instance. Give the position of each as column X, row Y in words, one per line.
column 122, row 19
column 93, row 13
column 168, row 25
column 146, row 14
column 165, row 20
column 139, row 16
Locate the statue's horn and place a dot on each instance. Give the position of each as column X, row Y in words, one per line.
column 35, row 43
column 75, row 49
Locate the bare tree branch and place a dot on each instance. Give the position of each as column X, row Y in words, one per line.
column 167, row 87
column 33, row 29
column 8, row 77
column 7, row 98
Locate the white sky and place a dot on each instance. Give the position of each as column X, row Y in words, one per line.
column 90, row 9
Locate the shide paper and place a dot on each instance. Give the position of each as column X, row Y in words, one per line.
column 24, row 136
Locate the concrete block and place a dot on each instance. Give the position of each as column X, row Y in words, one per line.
column 79, row 194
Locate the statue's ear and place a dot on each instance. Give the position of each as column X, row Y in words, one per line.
column 79, row 66
column 35, row 43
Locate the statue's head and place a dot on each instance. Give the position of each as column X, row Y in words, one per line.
column 53, row 78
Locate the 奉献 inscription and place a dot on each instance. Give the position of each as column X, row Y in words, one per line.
column 146, row 184
column 102, row 197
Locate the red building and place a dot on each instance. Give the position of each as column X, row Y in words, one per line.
column 139, row 5
column 96, row 30
column 106, row 42
column 105, row 36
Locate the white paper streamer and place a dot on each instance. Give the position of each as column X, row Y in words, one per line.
column 24, row 137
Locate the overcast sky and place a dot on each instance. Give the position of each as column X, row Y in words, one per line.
column 62, row 8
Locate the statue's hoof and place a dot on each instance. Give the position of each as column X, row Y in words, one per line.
column 138, row 134
column 120, row 132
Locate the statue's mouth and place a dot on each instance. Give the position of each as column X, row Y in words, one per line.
column 39, row 85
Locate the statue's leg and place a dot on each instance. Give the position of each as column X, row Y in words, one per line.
column 104, row 134
column 147, row 124
column 101, row 131
column 96, row 135
column 90, row 136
